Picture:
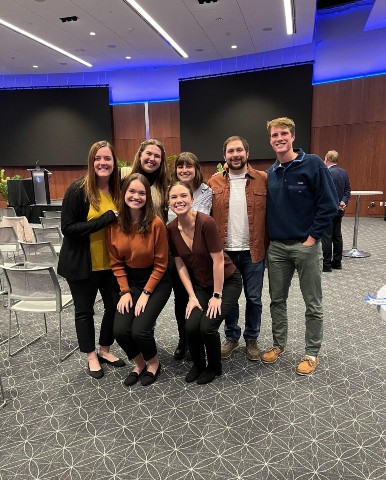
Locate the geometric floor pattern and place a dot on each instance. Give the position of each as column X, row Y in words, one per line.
column 255, row 422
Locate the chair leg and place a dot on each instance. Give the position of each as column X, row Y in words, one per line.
column 11, row 354
column 61, row 359
column 4, row 401
column 14, row 335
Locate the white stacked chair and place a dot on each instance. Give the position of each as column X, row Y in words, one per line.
column 36, row 290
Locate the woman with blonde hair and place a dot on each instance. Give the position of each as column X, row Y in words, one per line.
column 89, row 206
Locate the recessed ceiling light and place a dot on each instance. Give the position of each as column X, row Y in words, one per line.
column 111, row 46
column 63, row 63
column 35, row 66
column 199, row 49
column 92, row 33
column 267, row 29
column 128, row 58
column 219, row 19
column 234, row 46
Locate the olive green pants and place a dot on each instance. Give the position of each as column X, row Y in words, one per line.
column 284, row 257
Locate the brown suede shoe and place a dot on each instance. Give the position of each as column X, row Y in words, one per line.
column 271, row 355
column 307, row 365
column 228, row 347
column 252, row 350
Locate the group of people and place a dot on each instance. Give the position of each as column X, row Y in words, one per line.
column 137, row 238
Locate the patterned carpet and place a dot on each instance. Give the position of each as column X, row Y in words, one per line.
column 255, row 422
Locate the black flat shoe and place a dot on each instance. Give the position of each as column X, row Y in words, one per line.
column 193, row 374
column 180, row 351
column 148, row 377
column 115, row 363
column 133, row 377
column 208, row 375
column 95, row 373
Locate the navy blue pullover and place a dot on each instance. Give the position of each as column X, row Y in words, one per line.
column 301, row 200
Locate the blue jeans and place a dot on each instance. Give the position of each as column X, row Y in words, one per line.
column 252, row 274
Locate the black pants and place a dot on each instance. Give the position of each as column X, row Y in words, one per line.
column 332, row 244
column 181, row 298
column 84, row 293
column 201, row 331
column 135, row 335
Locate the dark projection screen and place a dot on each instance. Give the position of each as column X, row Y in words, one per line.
column 213, row 109
column 55, row 126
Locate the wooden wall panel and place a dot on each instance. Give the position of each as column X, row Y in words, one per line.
column 338, row 103
column 128, row 130
column 374, row 100
column 164, row 124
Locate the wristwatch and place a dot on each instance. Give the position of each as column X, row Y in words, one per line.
column 217, row 295
column 146, row 292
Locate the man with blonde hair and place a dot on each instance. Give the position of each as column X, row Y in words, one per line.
column 332, row 241
column 301, row 204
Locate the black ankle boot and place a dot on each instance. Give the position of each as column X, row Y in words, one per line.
column 209, row 374
column 180, row 351
column 193, row 373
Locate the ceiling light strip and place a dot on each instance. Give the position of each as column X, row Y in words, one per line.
column 156, row 26
column 42, row 42
column 289, row 10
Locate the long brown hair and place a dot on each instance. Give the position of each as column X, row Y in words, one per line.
column 147, row 211
column 89, row 183
column 161, row 176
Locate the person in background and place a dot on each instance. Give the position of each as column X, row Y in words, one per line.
column 150, row 160
column 89, row 206
column 301, row 204
column 210, row 278
column 239, row 205
column 332, row 241
column 187, row 169
column 138, row 248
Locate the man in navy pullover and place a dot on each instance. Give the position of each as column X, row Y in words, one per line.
column 301, row 204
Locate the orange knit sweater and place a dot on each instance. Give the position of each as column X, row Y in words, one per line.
column 138, row 251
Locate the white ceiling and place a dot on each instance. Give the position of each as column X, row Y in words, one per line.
column 205, row 32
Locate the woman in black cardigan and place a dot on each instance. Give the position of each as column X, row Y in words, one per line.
column 89, row 205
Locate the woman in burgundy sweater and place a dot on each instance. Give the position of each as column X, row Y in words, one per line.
column 138, row 249
column 211, row 280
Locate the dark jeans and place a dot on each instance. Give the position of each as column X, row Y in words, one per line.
column 253, row 274
column 201, row 331
column 84, row 293
column 135, row 335
column 181, row 298
column 332, row 244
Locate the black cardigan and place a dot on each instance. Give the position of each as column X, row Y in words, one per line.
column 75, row 257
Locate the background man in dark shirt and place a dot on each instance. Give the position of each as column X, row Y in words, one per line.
column 332, row 241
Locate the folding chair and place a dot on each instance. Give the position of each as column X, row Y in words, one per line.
column 9, row 244
column 7, row 212
column 39, row 254
column 50, row 222
column 3, row 293
column 49, row 234
column 51, row 213
column 36, row 290
column 22, row 227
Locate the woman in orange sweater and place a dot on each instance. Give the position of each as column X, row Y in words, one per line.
column 138, row 249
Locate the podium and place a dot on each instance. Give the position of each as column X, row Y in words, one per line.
column 40, row 185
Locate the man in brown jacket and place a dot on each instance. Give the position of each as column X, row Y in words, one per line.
column 239, row 205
